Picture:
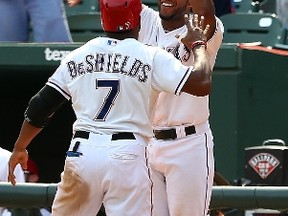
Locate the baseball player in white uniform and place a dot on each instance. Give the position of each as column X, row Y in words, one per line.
column 19, row 174
column 109, row 81
column 181, row 152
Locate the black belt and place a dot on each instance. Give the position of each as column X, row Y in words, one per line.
column 117, row 136
column 171, row 133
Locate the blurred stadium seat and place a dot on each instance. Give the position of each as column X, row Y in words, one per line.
column 242, row 6
column 85, row 26
column 252, row 27
column 264, row 6
column 268, row 6
column 85, row 6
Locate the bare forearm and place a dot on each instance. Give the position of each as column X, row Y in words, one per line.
column 27, row 133
column 201, row 66
column 20, row 154
column 199, row 82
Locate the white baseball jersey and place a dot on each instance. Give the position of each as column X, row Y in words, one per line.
column 110, row 83
column 18, row 172
column 189, row 155
column 194, row 110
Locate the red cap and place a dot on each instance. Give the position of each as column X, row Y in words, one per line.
column 120, row 15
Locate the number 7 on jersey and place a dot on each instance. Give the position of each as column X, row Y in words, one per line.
column 108, row 101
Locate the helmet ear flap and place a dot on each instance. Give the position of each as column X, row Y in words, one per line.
column 120, row 15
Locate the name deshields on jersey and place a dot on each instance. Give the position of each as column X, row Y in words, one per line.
column 109, row 63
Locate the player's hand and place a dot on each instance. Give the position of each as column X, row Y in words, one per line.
column 196, row 30
column 18, row 156
column 72, row 3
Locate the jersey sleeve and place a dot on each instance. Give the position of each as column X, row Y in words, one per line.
column 169, row 74
column 215, row 41
column 58, row 80
column 148, row 16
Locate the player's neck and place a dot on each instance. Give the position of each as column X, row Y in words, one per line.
column 123, row 35
column 170, row 25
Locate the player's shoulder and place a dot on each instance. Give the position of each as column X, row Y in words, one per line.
column 81, row 50
column 147, row 9
column 219, row 25
column 138, row 46
column 152, row 50
column 148, row 13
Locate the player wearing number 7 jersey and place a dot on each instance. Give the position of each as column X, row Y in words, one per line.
column 110, row 81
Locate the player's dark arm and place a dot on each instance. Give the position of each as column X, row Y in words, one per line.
column 43, row 105
column 40, row 109
column 205, row 8
column 200, row 80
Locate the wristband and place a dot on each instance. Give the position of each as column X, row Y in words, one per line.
column 198, row 43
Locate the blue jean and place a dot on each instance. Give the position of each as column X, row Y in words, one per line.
column 46, row 18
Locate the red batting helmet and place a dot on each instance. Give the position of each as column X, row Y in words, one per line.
column 120, row 15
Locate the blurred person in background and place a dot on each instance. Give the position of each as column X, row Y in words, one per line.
column 4, row 158
column 224, row 7
column 32, row 172
column 282, row 12
column 46, row 19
